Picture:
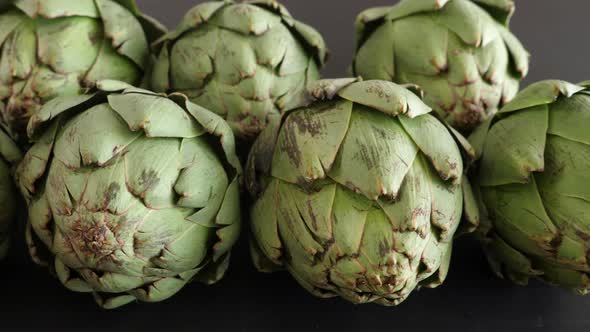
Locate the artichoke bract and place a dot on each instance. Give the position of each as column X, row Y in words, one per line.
column 248, row 61
column 535, row 186
column 359, row 194
column 459, row 51
column 10, row 155
column 131, row 194
column 55, row 47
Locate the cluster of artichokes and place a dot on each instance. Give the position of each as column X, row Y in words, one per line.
column 123, row 140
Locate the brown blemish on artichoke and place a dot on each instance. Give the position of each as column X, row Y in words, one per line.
column 148, row 179
column 314, row 218
column 378, row 90
column 301, row 123
column 111, row 194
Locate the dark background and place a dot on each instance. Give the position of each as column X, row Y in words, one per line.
column 472, row 299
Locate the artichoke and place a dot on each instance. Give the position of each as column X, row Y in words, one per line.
column 459, row 51
column 534, row 186
column 131, row 194
column 248, row 61
column 55, row 47
column 358, row 194
column 9, row 156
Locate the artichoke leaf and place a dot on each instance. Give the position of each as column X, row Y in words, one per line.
column 152, row 170
column 172, row 244
column 160, row 80
column 293, row 230
column 65, row 277
column 156, row 115
column 562, row 186
column 375, row 156
column 113, row 302
column 519, row 55
column 265, row 227
column 99, row 124
column 69, row 45
column 307, row 147
column 471, row 211
column 229, row 219
column 40, row 221
column 216, row 126
column 130, row 5
column 19, row 53
column 387, row 97
column 205, row 191
column 577, row 281
column 108, row 280
column 478, row 138
column 470, row 22
column 519, row 216
column 314, row 39
column 447, row 203
column 123, row 29
column 501, row 10
column 213, row 271
column 435, row 141
column 53, row 109
column 194, row 18
column 192, row 65
column 315, row 210
column 410, row 7
column 349, row 213
column 111, row 65
column 34, row 163
column 159, row 290
column 541, row 93
column 46, row 85
column 226, row 238
column 58, row 8
column 420, row 46
column 260, row 260
column 260, row 157
column 9, row 151
column 295, row 58
column 568, row 118
column 328, row 89
column 411, row 211
column 246, row 19
column 378, row 55
column 369, row 17
column 507, row 257
column 154, row 30
column 10, row 21
column 506, row 162
column 435, row 263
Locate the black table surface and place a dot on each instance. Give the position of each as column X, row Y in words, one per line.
column 472, row 299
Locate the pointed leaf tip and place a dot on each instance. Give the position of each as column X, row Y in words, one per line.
column 328, row 88
column 541, row 93
column 388, row 97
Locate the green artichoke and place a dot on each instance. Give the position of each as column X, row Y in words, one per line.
column 459, row 51
column 56, row 47
column 358, row 194
column 248, row 61
column 9, row 157
column 534, row 183
column 131, row 194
